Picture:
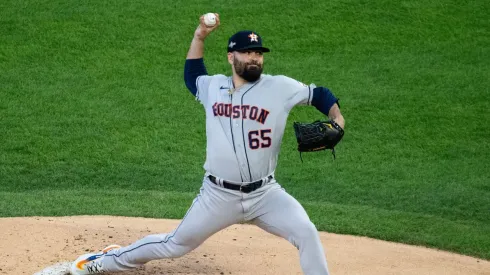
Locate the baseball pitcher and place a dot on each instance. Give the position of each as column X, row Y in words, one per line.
column 246, row 115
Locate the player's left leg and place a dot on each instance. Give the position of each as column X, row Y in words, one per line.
column 279, row 213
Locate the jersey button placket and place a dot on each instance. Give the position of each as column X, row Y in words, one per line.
column 241, row 147
column 240, row 142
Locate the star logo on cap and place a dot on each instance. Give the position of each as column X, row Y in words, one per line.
column 253, row 37
column 232, row 44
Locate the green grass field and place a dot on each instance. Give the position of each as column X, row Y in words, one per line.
column 95, row 117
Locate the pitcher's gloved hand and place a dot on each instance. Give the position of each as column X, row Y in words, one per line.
column 318, row 135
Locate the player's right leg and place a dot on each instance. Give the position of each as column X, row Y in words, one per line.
column 212, row 210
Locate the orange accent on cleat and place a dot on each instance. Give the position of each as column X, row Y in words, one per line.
column 110, row 247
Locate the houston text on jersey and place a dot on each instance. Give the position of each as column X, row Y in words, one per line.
column 240, row 111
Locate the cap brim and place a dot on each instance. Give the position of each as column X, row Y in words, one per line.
column 262, row 49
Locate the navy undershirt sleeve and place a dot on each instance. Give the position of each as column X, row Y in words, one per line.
column 323, row 99
column 192, row 69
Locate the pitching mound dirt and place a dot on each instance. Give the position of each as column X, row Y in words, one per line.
column 28, row 245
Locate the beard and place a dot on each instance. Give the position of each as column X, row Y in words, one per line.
column 249, row 71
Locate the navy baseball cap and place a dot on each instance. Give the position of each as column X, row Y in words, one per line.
column 246, row 40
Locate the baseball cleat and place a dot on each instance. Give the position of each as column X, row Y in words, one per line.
column 91, row 263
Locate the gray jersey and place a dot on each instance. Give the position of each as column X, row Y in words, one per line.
column 245, row 127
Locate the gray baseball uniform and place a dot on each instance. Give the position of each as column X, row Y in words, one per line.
column 244, row 129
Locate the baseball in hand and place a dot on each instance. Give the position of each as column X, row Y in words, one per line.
column 210, row 19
